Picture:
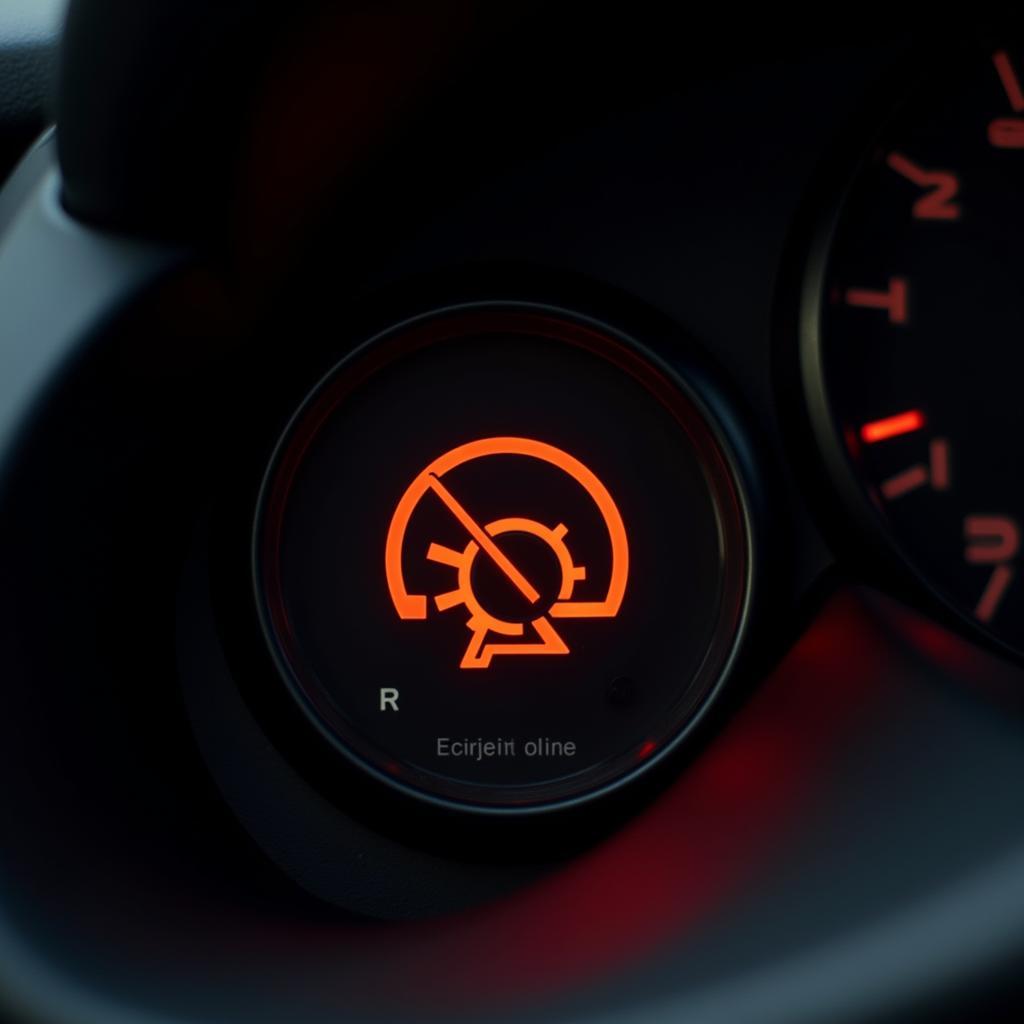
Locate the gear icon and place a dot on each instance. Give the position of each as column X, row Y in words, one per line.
column 486, row 544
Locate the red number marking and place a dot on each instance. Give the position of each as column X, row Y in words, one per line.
column 893, row 299
column 936, row 472
column 995, row 590
column 1007, row 133
column 937, row 204
column 992, row 540
column 1011, row 83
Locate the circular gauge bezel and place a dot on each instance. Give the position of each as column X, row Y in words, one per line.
column 893, row 567
column 723, row 476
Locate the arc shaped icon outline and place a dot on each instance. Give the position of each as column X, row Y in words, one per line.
column 414, row 606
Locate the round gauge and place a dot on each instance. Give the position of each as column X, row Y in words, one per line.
column 911, row 338
column 502, row 558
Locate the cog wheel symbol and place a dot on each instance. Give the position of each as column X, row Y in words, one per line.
column 481, row 622
column 536, row 635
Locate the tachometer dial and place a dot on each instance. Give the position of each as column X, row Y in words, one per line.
column 913, row 320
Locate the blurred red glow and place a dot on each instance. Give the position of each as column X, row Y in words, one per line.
column 681, row 860
column 710, row 840
column 646, row 749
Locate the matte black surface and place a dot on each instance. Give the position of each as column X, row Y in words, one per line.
column 150, row 109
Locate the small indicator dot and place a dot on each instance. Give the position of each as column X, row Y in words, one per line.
column 622, row 692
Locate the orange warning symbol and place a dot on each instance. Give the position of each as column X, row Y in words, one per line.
column 485, row 541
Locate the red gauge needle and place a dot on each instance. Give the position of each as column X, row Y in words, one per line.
column 478, row 534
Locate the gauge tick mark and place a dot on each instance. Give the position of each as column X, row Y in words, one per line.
column 905, row 482
column 892, row 426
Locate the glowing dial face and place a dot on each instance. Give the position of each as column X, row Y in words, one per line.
column 912, row 347
column 501, row 559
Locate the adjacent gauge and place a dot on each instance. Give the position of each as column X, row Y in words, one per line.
column 502, row 558
column 913, row 334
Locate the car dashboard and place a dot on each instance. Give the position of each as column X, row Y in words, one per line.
column 509, row 514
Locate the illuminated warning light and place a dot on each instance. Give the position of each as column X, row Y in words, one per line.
column 485, row 541
column 892, row 426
